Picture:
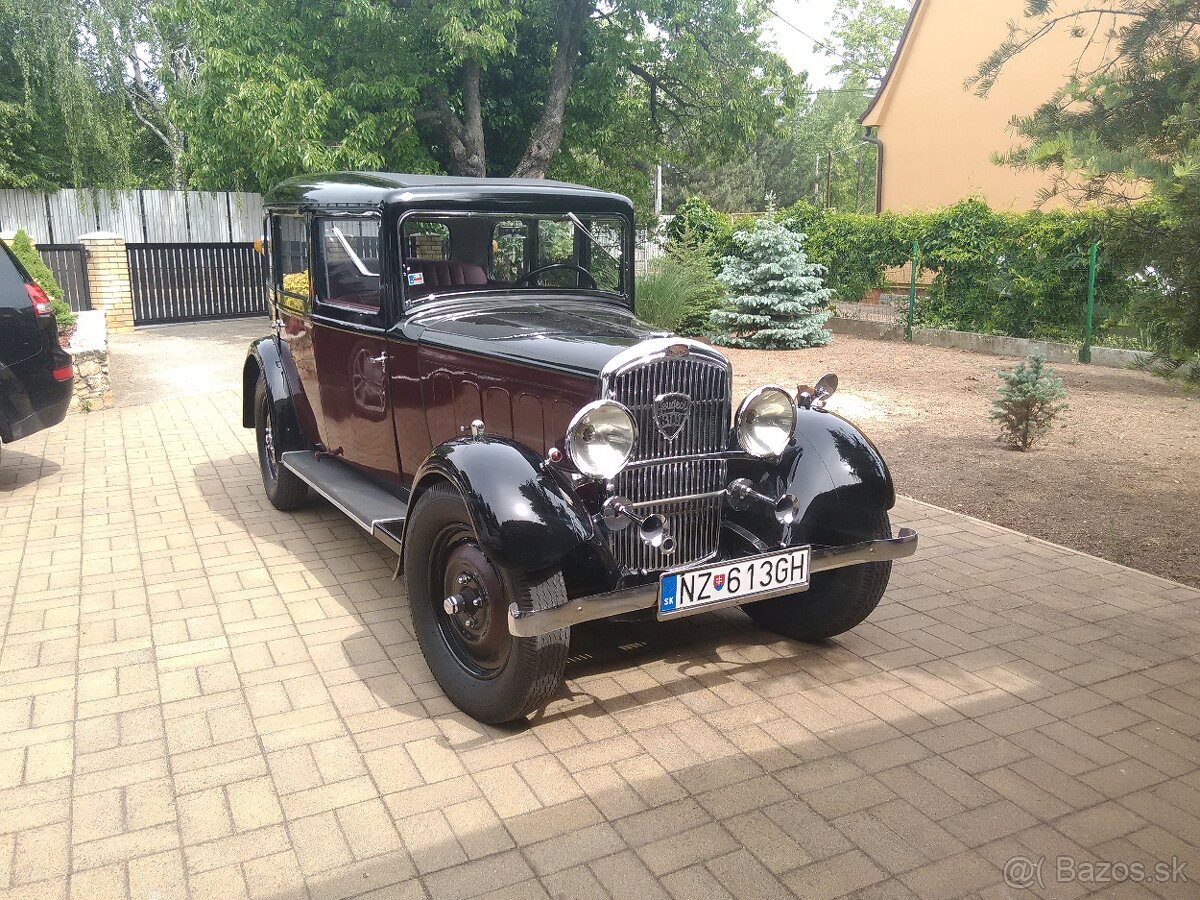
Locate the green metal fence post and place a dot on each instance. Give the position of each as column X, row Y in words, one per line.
column 912, row 292
column 1085, row 352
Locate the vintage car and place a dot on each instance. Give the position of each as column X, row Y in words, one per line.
column 456, row 366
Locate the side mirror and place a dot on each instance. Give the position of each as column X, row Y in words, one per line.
column 827, row 386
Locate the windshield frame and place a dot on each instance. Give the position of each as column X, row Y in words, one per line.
column 626, row 267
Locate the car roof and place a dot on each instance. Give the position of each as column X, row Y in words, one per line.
column 361, row 190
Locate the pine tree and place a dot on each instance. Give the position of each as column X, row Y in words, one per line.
column 1030, row 399
column 777, row 298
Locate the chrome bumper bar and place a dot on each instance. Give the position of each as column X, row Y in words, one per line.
column 616, row 603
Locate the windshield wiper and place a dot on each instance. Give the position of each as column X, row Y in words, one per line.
column 579, row 224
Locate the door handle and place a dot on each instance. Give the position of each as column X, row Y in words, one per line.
column 380, row 360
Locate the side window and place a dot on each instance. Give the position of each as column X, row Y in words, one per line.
column 291, row 259
column 348, row 274
column 510, row 242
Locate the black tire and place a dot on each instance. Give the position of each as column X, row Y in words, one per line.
column 838, row 600
column 487, row 673
column 285, row 491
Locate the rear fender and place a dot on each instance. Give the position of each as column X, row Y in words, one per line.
column 524, row 517
column 265, row 358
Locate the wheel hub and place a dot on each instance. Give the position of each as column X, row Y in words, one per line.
column 474, row 607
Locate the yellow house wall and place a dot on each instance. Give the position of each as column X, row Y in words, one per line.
column 938, row 136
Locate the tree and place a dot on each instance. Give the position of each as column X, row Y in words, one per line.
column 777, row 298
column 470, row 86
column 863, row 39
column 1125, row 127
column 1029, row 401
column 80, row 101
column 813, row 150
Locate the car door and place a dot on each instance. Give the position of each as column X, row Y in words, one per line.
column 350, row 346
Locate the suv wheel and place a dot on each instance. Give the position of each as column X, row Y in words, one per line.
column 284, row 490
column 460, row 598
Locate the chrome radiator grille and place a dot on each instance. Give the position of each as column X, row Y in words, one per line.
column 653, row 486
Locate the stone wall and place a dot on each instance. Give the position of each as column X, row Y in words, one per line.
column 89, row 355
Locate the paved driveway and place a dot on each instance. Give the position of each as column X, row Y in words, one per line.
column 203, row 697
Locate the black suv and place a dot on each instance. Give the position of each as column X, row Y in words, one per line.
column 36, row 376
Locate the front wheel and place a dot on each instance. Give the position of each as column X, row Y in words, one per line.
column 460, row 598
column 837, row 600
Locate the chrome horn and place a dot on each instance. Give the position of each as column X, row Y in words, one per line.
column 653, row 529
column 742, row 493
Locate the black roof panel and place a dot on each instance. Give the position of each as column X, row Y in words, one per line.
column 374, row 189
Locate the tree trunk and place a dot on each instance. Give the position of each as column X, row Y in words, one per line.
column 547, row 136
column 473, row 141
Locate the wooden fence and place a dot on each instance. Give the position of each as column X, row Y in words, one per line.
column 174, row 282
column 138, row 215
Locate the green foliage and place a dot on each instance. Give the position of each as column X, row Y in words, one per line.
column 863, row 38
column 26, row 253
column 1126, row 124
column 777, row 300
column 813, row 148
column 1030, row 398
column 679, row 291
column 1020, row 274
column 697, row 225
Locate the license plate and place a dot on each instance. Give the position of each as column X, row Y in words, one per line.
column 681, row 593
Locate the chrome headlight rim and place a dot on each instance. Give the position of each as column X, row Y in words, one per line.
column 741, row 427
column 570, row 443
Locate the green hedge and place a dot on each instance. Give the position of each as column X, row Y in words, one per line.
column 1021, row 274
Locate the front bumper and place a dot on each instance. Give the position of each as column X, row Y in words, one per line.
column 615, row 603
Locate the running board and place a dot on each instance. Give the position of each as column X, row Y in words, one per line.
column 368, row 506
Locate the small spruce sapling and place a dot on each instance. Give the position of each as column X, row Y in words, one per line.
column 1031, row 396
column 777, row 298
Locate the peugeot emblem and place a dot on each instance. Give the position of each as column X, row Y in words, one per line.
column 670, row 413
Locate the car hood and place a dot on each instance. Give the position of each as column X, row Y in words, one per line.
column 579, row 336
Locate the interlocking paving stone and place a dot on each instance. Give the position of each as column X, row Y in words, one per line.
column 203, row 697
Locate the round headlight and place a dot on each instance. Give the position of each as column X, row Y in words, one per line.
column 601, row 438
column 765, row 421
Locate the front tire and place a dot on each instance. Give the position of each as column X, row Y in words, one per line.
column 285, row 491
column 485, row 671
column 837, row 600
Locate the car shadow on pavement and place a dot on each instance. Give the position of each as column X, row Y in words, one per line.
column 18, row 469
column 352, row 571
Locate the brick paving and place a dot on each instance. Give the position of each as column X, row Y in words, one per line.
column 203, row 697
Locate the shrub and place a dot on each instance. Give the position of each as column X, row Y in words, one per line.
column 778, row 299
column 698, row 225
column 26, row 253
column 1030, row 399
column 679, row 291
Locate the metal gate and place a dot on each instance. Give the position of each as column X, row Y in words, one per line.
column 191, row 282
column 68, row 262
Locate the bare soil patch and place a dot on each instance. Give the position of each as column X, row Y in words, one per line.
column 1117, row 477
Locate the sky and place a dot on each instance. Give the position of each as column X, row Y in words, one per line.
column 811, row 16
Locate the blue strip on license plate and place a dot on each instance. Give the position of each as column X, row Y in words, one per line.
column 734, row 582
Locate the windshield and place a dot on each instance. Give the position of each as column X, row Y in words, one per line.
column 452, row 254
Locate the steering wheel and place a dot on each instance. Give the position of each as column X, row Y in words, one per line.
column 534, row 273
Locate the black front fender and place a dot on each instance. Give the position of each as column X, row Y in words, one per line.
column 832, row 469
column 524, row 517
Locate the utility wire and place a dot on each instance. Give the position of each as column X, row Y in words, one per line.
column 824, row 46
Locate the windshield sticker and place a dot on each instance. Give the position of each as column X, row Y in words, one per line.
column 415, row 278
